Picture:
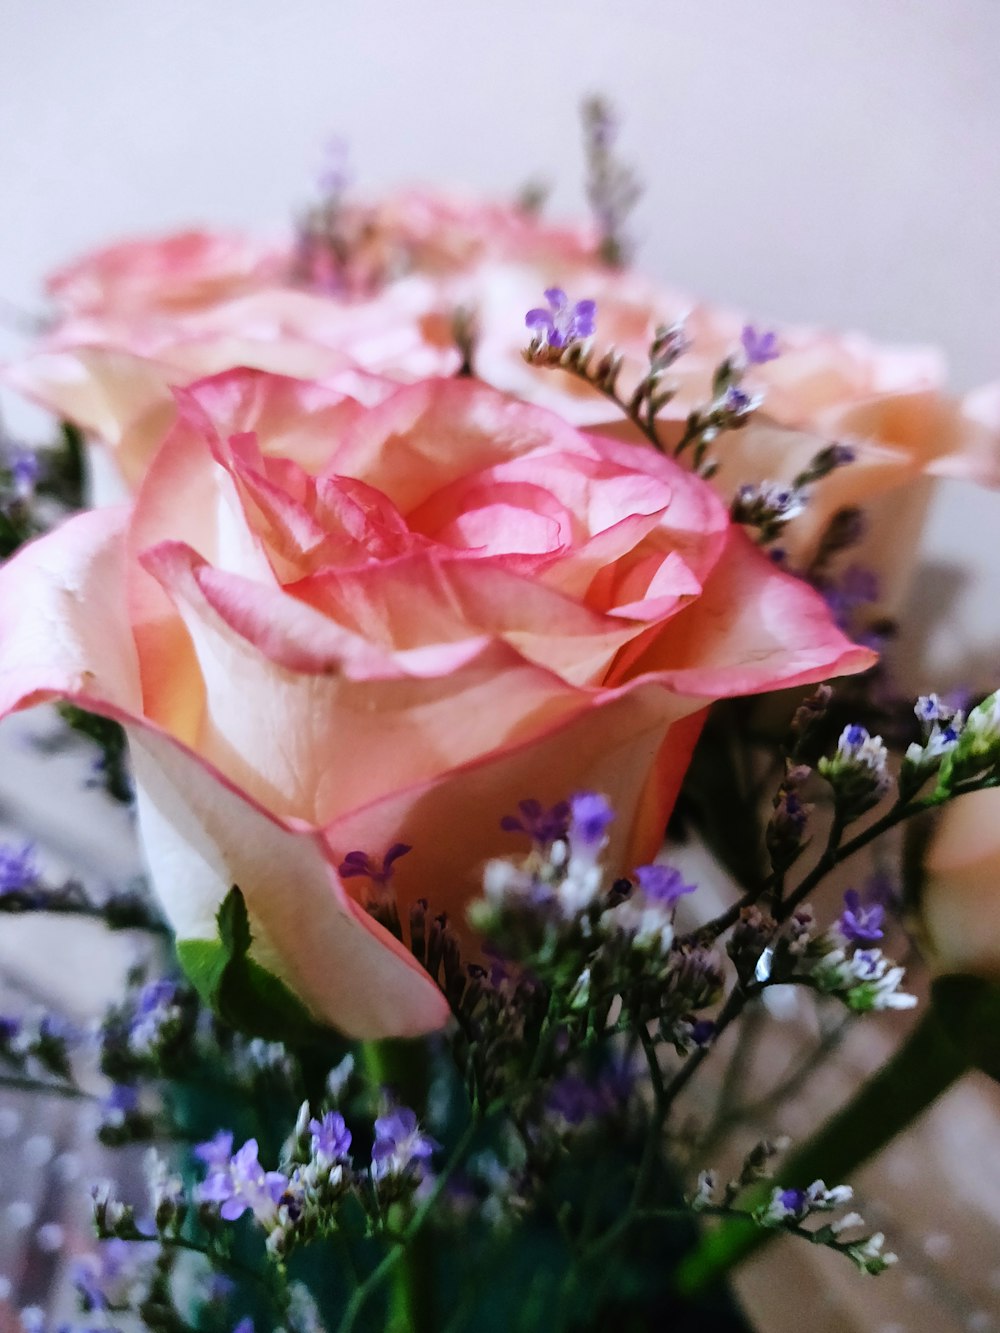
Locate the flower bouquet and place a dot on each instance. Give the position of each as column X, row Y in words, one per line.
column 495, row 650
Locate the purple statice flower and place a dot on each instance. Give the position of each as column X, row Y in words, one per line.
column 867, row 963
column 662, row 884
column 119, row 1104
column 244, row 1184
column 857, row 587
column 357, row 864
column 155, row 1010
column 575, row 1100
column 18, row 867
column 859, row 922
column 759, row 345
column 331, row 1139
column 793, row 1202
column 562, row 323
column 335, row 174
column 399, row 1144
column 738, row 401
column 24, row 471
column 928, row 708
column 244, row 1326
column 55, row 1027
column 543, row 826
column 218, row 1288
column 702, row 1031
column 106, row 1278
column 590, row 815
column 216, row 1152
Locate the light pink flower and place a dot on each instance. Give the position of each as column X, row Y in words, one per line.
column 330, row 628
column 173, row 273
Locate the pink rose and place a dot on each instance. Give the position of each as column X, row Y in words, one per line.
column 418, row 257
column 113, row 375
column 359, row 247
column 328, row 628
column 174, row 273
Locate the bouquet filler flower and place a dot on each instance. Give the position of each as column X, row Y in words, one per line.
column 431, row 570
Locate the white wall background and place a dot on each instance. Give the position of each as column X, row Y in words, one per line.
column 834, row 163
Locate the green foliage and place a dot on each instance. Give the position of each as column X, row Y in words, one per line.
column 110, row 739
column 244, row 994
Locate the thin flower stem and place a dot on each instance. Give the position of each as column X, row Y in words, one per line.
column 390, row 1261
column 39, row 1086
column 214, row 1256
column 19, row 904
column 379, row 1274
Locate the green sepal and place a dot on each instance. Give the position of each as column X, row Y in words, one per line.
column 244, row 994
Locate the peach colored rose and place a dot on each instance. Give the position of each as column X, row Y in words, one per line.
column 111, row 371
column 113, row 375
column 357, row 248
column 960, row 904
column 330, row 627
column 173, row 273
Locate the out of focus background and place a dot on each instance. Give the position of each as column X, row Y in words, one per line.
column 830, row 164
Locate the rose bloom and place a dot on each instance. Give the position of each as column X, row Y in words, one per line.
column 330, row 627
column 960, row 901
column 137, row 320
column 172, row 274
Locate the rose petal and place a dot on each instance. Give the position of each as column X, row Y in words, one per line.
column 753, row 629
column 201, row 836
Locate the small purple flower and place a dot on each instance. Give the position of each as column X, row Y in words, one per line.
column 575, row 1100
column 562, row 323
column 738, row 402
column 793, row 1202
column 24, row 470
column 662, row 884
column 216, row 1152
column 244, row 1184
column 155, row 1011
column 156, row 995
column 702, row 1031
column 357, row 864
column 105, row 1278
column 759, row 345
column 10, row 1029
column 590, row 816
column 930, row 708
column 244, row 1326
column 399, row 1144
column 335, row 174
column 120, row 1103
column 867, row 963
column 859, row 923
column 841, row 454
column 331, row 1139
column 18, row 867
column 542, row 826
column 856, row 588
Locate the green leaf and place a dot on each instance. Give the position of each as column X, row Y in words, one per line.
column 244, row 994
